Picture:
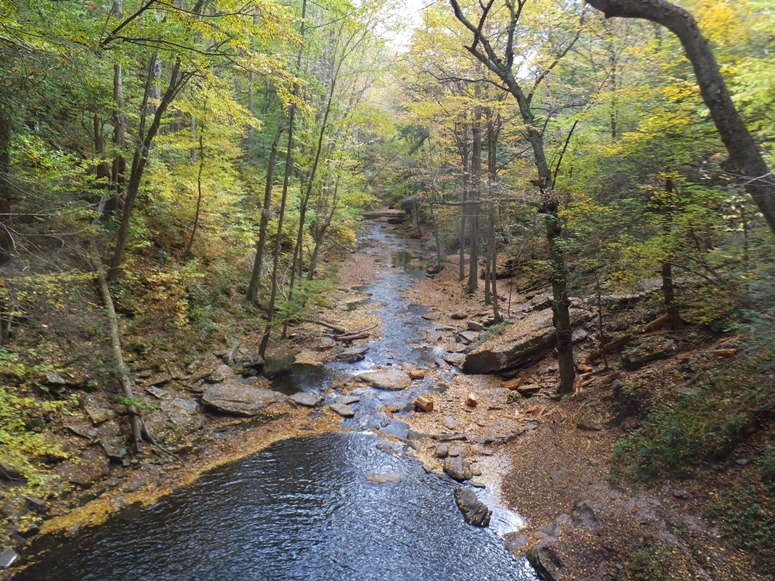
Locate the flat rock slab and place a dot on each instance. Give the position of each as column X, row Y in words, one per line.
column 236, row 398
column 309, row 400
column 343, row 410
column 347, row 399
column 387, row 380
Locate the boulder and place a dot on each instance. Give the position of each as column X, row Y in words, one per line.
column 475, row 512
column 236, row 398
column 518, row 345
column 458, row 469
column 219, row 374
column 546, row 560
column 278, row 362
column 387, row 380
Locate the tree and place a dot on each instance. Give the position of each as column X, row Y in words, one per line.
column 502, row 64
column 744, row 155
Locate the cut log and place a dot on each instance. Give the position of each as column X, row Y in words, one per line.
column 610, row 346
column 423, row 404
column 722, row 353
column 472, row 400
column 512, row 384
column 658, row 323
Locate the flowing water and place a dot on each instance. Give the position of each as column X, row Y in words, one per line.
column 309, row 508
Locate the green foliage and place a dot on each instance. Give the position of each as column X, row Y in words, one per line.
column 24, row 447
column 649, row 563
column 746, row 515
column 494, row 330
column 308, row 296
column 681, row 433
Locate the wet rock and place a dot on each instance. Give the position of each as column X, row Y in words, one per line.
column 347, row 399
column 236, row 398
column 546, row 560
column 387, row 380
column 514, row 542
column 385, row 478
column 352, row 355
column 343, row 410
column 475, row 512
column 305, row 399
column 278, row 362
column 91, row 465
column 458, row 469
column 477, row 483
column 112, row 440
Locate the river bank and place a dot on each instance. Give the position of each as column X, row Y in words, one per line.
column 548, row 460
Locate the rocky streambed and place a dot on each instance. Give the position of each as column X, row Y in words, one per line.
column 345, row 505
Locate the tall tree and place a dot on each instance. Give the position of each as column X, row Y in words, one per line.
column 502, row 64
column 744, row 155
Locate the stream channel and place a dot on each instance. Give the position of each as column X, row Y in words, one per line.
column 305, row 508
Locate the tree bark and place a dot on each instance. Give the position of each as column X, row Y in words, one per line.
column 501, row 64
column 744, row 155
column 178, row 80
column 258, row 264
column 7, row 245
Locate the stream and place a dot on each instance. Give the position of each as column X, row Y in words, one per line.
column 306, row 508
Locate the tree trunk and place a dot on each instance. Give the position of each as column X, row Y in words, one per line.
column 187, row 253
column 178, row 80
column 115, row 342
column 744, row 155
column 493, row 260
column 118, row 174
column 258, row 264
column 668, row 293
column 284, row 198
column 474, row 195
column 7, row 244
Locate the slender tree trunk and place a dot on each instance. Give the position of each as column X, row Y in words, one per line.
column 115, row 342
column 284, row 198
column 258, row 263
column 493, row 259
column 744, row 154
column 475, row 195
column 668, row 292
column 464, row 153
column 142, row 150
column 118, row 174
column 187, row 253
column 7, row 244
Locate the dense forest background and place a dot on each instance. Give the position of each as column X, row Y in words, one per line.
column 178, row 173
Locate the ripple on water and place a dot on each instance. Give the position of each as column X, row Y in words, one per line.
column 302, row 509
